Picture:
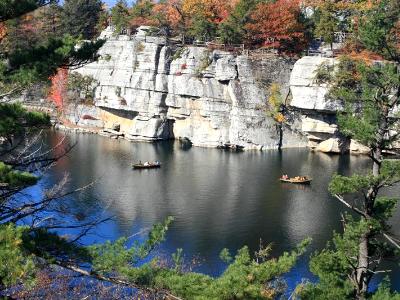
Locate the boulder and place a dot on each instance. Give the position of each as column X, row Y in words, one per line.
column 358, row 148
column 333, row 145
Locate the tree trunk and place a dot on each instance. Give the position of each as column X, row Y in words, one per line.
column 362, row 268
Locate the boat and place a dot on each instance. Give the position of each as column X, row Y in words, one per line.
column 231, row 147
column 153, row 165
column 297, row 180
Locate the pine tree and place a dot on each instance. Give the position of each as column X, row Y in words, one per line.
column 81, row 17
column 370, row 92
column 120, row 16
column 232, row 29
column 327, row 22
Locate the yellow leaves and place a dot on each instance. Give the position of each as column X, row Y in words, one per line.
column 275, row 103
column 213, row 10
column 280, row 118
column 268, row 293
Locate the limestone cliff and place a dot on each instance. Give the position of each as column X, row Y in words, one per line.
column 154, row 90
column 158, row 91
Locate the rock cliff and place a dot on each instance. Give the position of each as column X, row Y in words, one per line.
column 159, row 91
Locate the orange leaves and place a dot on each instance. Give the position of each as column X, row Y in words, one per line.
column 213, row 10
column 276, row 25
column 58, row 88
column 171, row 11
column 3, row 30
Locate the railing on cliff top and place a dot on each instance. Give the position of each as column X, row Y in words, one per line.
column 237, row 49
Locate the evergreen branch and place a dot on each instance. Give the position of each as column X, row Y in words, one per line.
column 391, row 240
column 114, row 280
column 355, row 209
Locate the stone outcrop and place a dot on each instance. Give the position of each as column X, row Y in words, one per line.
column 154, row 90
column 158, row 91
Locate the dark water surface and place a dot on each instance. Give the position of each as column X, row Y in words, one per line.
column 219, row 199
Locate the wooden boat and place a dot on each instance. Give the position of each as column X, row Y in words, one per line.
column 295, row 180
column 231, row 147
column 154, row 165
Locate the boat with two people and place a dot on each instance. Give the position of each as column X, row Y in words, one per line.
column 147, row 165
column 296, row 180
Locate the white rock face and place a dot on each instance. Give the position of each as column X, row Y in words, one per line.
column 211, row 98
column 332, row 145
column 306, row 93
column 358, row 148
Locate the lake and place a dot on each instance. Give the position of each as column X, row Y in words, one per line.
column 218, row 199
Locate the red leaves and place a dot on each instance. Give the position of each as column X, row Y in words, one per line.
column 277, row 25
column 58, row 88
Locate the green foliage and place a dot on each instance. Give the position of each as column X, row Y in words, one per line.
column 81, row 17
column 333, row 263
column 327, row 22
column 202, row 29
column 369, row 87
column 245, row 278
column 142, row 9
column 375, row 29
column 233, row 29
column 120, row 16
column 15, row 120
column 111, row 257
column 15, row 178
column 10, row 9
column 15, row 263
column 81, row 87
column 340, row 185
column 179, row 53
column 324, row 74
column 205, row 62
column 369, row 91
column 384, row 292
column 177, row 258
column 225, row 256
column 276, row 103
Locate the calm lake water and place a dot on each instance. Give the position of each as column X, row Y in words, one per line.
column 219, row 199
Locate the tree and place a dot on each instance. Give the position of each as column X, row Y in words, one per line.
column 50, row 17
column 142, row 13
column 11, row 9
column 276, row 109
column 327, row 22
column 277, row 25
column 233, row 29
column 370, row 92
column 205, row 15
column 120, row 16
column 81, row 17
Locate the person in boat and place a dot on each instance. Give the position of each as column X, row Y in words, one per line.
column 146, row 164
column 285, row 177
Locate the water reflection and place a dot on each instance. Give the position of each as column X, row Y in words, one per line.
column 219, row 199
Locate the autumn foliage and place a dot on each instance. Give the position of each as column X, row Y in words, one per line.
column 59, row 85
column 277, row 25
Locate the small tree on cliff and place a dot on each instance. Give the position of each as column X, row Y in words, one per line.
column 276, row 109
column 370, row 92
